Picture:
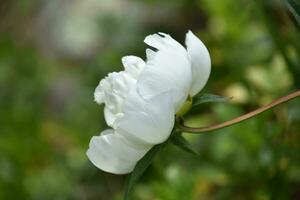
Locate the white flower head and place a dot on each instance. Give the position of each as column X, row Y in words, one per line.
column 141, row 101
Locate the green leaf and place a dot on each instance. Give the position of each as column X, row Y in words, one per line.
column 208, row 98
column 140, row 168
column 294, row 8
column 179, row 141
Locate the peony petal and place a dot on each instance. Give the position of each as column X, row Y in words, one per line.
column 113, row 153
column 133, row 65
column 99, row 95
column 168, row 69
column 201, row 64
column 162, row 41
column 111, row 117
column 150, row 54
column 146, row 122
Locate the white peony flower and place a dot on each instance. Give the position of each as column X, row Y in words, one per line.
column 141, row 101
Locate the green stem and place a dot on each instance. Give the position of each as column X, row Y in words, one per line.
column 184, row 128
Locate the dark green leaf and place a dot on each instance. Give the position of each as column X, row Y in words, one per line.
column 294, row 8
column 183, row 144
column 208, row 98
column 140, row 168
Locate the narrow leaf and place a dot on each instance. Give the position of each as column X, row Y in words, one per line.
column 208, row 98
column 140, row 168
column 294, row 8
column 179, row 141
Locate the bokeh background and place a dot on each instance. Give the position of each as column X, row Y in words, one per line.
column 53, row 54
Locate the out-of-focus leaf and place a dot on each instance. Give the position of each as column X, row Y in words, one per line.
column 294, row 7
column 140, row 168
column 179, row 141
column 208, row 98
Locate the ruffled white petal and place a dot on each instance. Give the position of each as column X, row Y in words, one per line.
column 201, row 64
column 133, row 65
column 166, row 70
column 113, row 89
column 150, row 54
column 146, row 122
column 112, row 153
column 110, row 117
column 99, row 95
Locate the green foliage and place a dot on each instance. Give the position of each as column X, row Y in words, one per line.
column 294, row 7
column 179, row 141
column 208, row 98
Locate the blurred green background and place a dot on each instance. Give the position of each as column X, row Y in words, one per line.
column 53, row 54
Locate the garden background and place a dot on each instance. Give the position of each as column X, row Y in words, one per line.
column 53, row 54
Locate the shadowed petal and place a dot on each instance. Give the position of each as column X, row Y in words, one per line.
column 201, row 64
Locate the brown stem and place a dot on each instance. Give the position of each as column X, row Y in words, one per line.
column 184, row 128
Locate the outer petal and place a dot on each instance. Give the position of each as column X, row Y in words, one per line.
column 147, row 122
column 168, row 69
column 113, row 153
column 201, row 63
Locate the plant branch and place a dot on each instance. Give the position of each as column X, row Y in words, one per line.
column 184, row 128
